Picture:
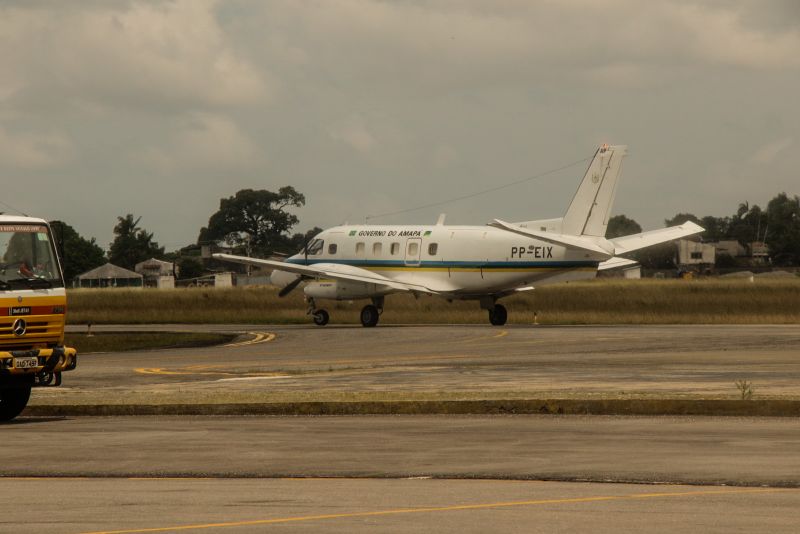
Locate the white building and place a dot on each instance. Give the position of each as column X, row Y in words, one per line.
column 157, row 273
column 695, row 253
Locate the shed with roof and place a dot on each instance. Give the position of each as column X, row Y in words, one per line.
column 110, row 275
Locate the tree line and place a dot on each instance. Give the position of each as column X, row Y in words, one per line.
column 778, row 226
column 259, row 223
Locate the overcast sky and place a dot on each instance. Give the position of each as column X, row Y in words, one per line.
column 160, row 108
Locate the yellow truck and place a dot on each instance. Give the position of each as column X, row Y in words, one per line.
column 33, row 306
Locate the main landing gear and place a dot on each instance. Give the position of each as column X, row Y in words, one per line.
column 498, row 315
column 370, row 314
column 497, row 312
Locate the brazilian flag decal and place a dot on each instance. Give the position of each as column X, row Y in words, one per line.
column 352, row 233
column 427, row 233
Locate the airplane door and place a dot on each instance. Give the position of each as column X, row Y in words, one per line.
column 413, row 251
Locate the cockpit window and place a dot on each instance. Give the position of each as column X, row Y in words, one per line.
column 315, row 247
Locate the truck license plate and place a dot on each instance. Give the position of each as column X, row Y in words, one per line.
column 26, row 362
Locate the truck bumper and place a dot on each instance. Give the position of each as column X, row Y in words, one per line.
column 51, row 363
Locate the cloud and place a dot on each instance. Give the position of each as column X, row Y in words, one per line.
column 204, row 142
column 768, row 152
column 142, row 55
column 472, row 44
column 353, row 132
column 31, row 150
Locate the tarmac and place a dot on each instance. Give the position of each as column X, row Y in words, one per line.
column 698, row 365
column 389, row 473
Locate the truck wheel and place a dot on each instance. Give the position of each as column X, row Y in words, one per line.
column 13, row 401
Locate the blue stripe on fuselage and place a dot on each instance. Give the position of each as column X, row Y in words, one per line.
column 452, row 264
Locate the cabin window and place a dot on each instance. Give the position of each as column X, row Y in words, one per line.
column 360, row 249
column 433, row 248
column 315, row 247
column 395, row 249
column 377, row 248
column 413, row 249
column 332, row 249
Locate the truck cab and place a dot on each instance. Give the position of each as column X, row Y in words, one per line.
column 33, row 306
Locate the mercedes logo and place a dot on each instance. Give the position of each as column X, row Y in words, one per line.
column 19, row 327
column 19, row 299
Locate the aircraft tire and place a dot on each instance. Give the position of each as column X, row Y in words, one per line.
column 12, row 401
column 321, row 317
column 369, row 315
column 498, row 315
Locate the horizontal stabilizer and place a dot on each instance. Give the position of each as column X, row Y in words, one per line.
column 629, row 243
column 616, row 262
column 571, row 241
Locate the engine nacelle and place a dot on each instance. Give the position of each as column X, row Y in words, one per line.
column 344, row 290
column 282, row 278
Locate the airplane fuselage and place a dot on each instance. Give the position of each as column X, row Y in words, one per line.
column 461, row 261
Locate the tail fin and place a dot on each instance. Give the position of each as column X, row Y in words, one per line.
column 590, row 208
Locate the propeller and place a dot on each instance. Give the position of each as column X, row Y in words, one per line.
column 290, row 287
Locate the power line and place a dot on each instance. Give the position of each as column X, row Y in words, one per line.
column 13, row 208
column 478, row 193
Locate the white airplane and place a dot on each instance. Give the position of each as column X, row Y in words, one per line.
column 482, row 263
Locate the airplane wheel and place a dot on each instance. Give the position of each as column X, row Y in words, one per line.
column 498, row 315
column 369, row 315
column 320, row 317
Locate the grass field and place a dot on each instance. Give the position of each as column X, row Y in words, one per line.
column 600, row 301
column 116, row 342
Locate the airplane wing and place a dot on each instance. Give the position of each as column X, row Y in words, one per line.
column 629, row 243
column 615, row 262
column 328, row 270
column 571, row 241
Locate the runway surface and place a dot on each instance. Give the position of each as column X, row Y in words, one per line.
column 96, row 473
column 688, row 450
column 347, row 505
column 581, row 361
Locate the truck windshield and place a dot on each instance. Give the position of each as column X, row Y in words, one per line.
column 27, row 257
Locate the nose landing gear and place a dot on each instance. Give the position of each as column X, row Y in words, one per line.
column 319, row 316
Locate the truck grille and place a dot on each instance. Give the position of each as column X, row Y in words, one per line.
column 40, row 329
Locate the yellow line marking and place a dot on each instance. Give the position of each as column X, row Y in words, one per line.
column 296, row 519
column 260, row 337
column 502, row 333
column 188, row 371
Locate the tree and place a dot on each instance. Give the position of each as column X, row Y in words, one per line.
column 717, row 228
column 132, row 244
column 254, row 219
column 783, row 234
column 681, row 218
column 189, row 268
column 79, row 254
column 620, row 225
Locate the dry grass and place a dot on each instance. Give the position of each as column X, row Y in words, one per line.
column 595, row 302
column 117, row 342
